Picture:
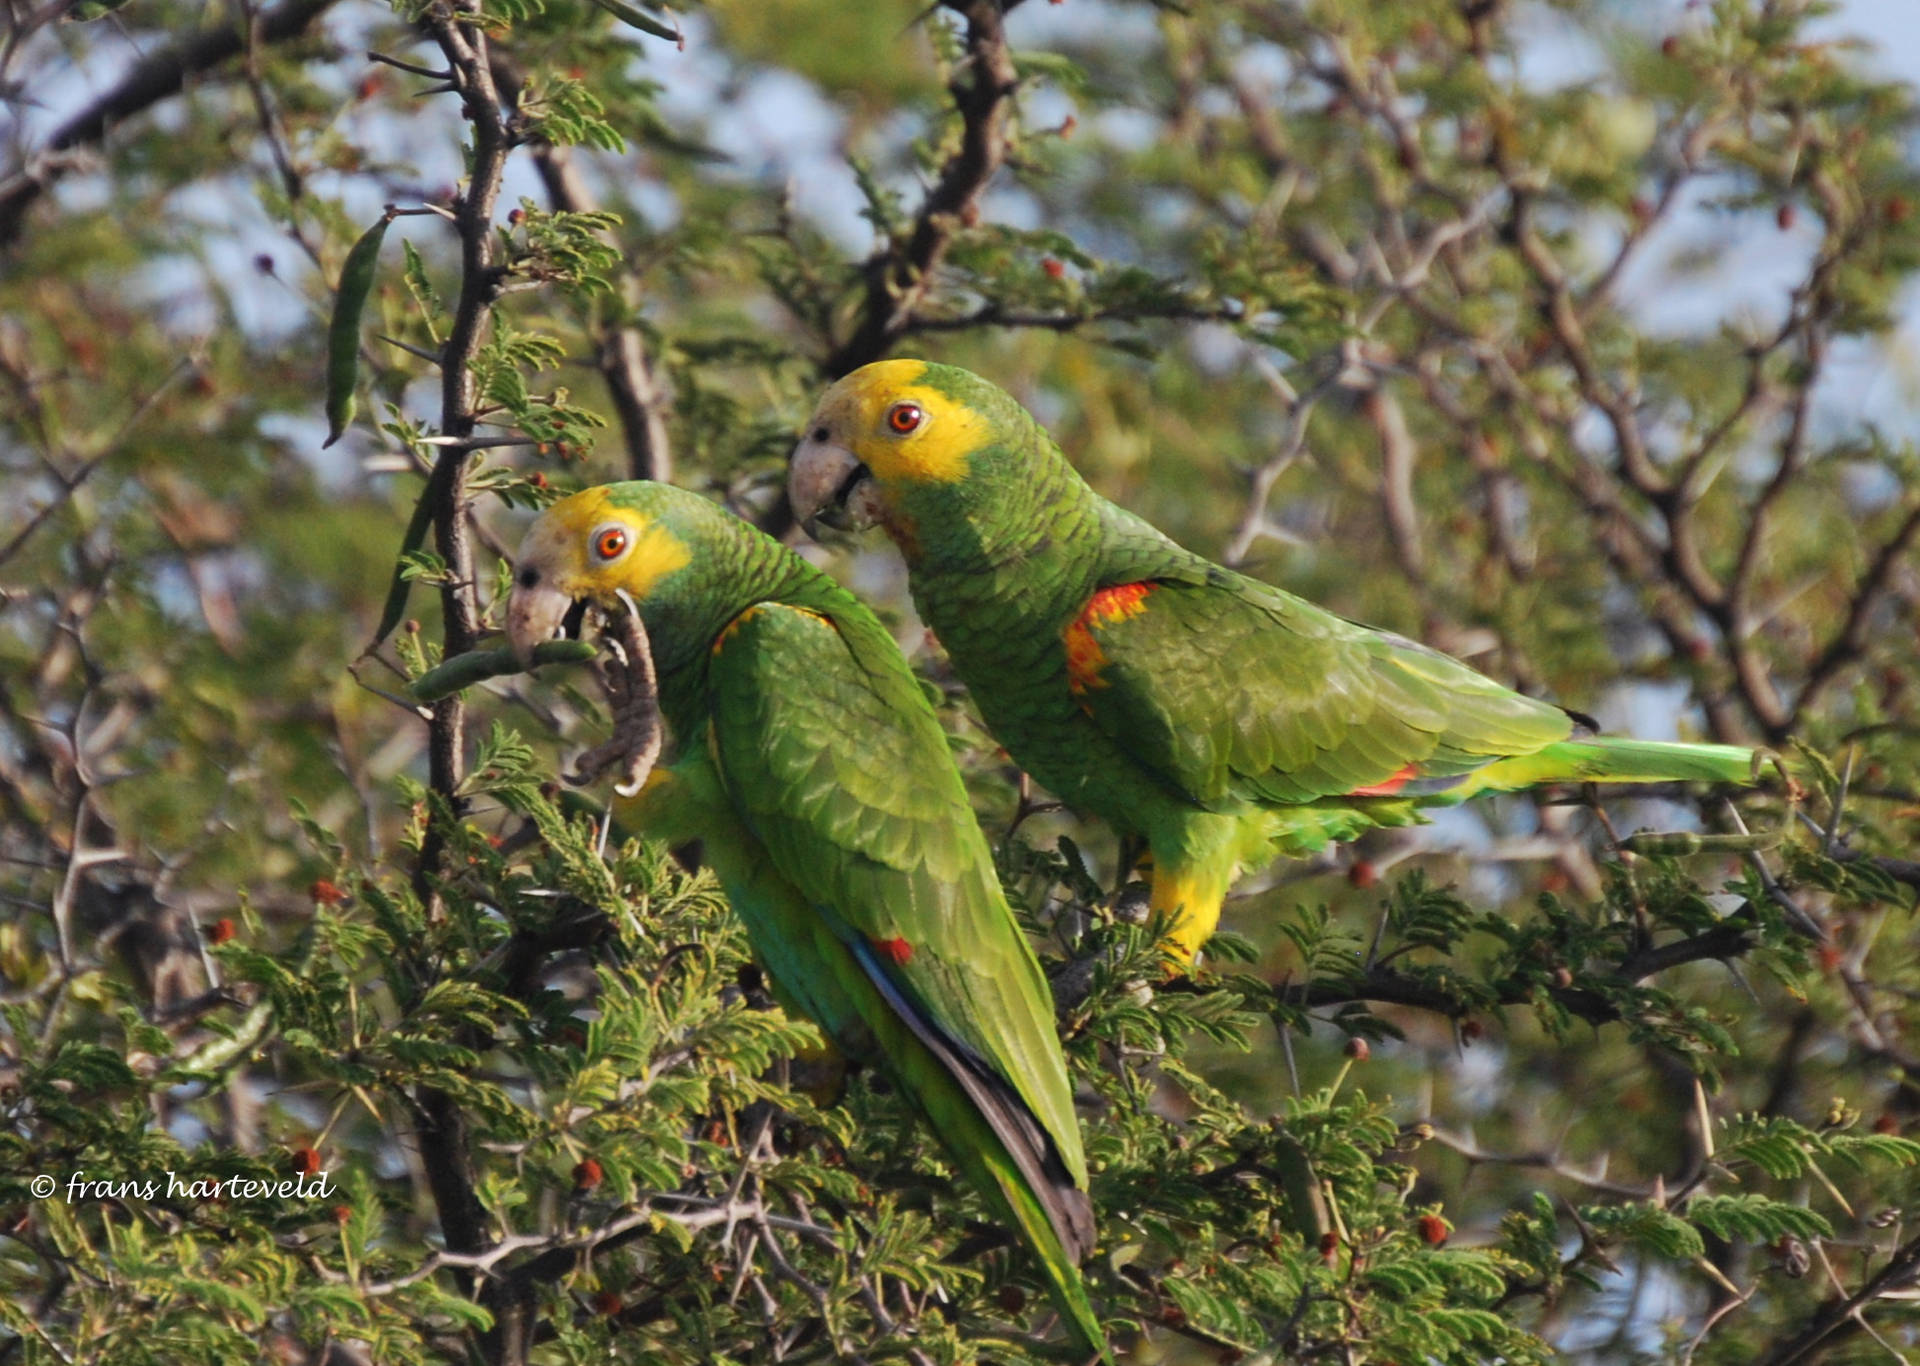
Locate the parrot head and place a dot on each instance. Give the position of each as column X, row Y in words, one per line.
column 907, row 444
column 586, row 549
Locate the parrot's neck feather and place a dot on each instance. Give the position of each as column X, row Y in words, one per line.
column 744, row 568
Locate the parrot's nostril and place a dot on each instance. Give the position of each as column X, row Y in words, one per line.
column 821, row 434
column 528, row 577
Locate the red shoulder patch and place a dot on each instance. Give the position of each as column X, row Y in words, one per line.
column 895, row 951
column 1388, row 786
column 1085, row 658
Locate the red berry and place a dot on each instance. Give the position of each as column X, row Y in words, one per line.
column 1433, row 1230
column 1359, row 1050
column 587, row 1174
column 1011, row 1299
column 326, row 893
column 1471, row 1030
column 1886, row 1124
column 1363, row 874
column 1054, row 270
column 303, row 1161
column 606, row 1304
column 342, row 1213
column 220, row 931
column 1786, row 216
column 1670, row 45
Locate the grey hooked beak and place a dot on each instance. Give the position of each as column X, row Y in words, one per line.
column 537, row 611
column 829, row 486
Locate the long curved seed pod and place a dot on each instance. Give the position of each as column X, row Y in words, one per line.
column 477, row 666
column 638, row 18
column 343, row 333
column 1684, row 842
column 397, row 593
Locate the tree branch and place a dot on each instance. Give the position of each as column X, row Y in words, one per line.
column 444, row 1147
column 640, row 400
column 151, row 80
column 1899, row 1271
column 1396, row 988
column 900, row 273
column 1851, row 639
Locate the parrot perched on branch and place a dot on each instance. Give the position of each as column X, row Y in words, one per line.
column 816, row 773
column 1220, row 719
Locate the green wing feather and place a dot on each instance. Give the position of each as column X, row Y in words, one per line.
column 1230, row 689
column 838, row 767
column 843, row 772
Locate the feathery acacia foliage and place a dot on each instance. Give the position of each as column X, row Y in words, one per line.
column 1562, row 373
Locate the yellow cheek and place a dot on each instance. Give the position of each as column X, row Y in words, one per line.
column 655, row 554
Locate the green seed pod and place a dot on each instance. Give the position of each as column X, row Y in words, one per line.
column 1682, row 842
column 646, row 23
column 476, row 666
column 397, row 594
column 343, row 334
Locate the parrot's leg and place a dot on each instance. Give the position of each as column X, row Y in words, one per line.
column 1191, row 873
column 819, row 1073
column 1131, row 899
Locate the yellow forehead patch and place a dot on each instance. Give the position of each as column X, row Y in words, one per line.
column 855, row 411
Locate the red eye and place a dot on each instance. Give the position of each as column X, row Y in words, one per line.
column 905, row 417
column 609, row 541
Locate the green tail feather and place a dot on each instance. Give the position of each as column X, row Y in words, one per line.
column 1605, row 759
column 1064, row 1284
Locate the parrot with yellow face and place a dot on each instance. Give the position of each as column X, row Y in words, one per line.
column 814, row 770
column 1221, row 720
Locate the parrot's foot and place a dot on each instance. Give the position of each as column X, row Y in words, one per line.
column 627, row 678
column 1133, row 903
column 820, row 1074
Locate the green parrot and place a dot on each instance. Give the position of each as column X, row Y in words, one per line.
column 1223, row 721
column 814, row 770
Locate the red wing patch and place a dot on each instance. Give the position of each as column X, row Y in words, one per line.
column 1387, row 787
column 895, row 951
column 1085, row 658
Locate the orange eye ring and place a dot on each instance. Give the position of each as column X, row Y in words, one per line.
column 906, row 418
column 609, row 542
